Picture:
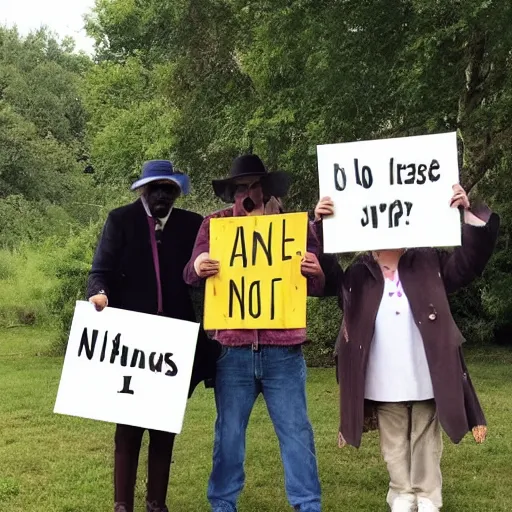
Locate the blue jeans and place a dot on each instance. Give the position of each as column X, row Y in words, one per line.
column 279, row 373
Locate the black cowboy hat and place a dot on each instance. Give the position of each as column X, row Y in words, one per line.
column 250, row 166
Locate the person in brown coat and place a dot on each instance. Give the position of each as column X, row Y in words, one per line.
column 399, row 359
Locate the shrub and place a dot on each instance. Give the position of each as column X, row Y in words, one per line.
column 29, row 222
column 70, row 270
column 24, row 285
column 483, row 310
column 323, row 325
column 468, row 313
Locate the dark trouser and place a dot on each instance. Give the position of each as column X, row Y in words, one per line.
column 128, row 440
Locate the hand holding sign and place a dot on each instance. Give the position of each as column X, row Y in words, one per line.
column 99, row 301
column 206, row 267
column 324, row 208
column 460, row 198
column 310, row 266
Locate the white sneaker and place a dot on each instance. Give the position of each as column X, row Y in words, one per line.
column 425, row 505
column 403, row 505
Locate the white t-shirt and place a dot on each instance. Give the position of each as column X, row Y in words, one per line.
column 397, row 367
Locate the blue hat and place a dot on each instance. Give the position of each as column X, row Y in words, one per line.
column 158, row 170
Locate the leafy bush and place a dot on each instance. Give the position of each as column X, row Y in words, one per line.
column 484, row 310
column 497, row 296
column 25, row 221
column 25, row 285
column 468, row 311
column 323, row 325
column 32, row 222
column 70, row 270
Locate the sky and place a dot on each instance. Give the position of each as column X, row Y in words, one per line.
column 65, row 17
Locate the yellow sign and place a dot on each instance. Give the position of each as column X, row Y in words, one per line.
column 260, row 285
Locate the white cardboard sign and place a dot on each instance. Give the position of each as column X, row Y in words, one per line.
column 390, row 193
column 126, row 367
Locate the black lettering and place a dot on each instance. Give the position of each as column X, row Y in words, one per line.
column 396, row 211
column 104, row 348
column 240, row 238
column 273, row 298
column 371, row 213
column 84, row 343
column 434, row 166
column 142, row 359
column 257, row 238
column 127, row 379
column 366, row 218
column 257, row 285
column 375, row 218
column 158, row 366
column 124, row 356
column 173, row 369
column 356, row 168
column 340, row 186
column 408, row 207
column 233, row 290
column 399, row 169
column 391, row 173
column 422, row 169
column 285, row 241
column 115, row 348
column 367, row 178
column 411, row 175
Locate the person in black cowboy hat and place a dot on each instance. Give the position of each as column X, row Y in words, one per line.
column 138, row 266
column 259, row 361
column 249, row 170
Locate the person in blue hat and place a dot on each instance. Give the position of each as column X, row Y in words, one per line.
column 138, row 265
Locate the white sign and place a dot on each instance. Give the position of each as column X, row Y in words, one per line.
column 390, row 193
column 129, row 368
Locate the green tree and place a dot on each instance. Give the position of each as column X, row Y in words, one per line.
column 278, row 78
column 42, row 136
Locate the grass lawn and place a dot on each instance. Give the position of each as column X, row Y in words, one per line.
column 55, row 463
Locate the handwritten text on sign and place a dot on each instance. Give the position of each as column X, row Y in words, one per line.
column 126, row 367
column 390, row 193
column 260, row 285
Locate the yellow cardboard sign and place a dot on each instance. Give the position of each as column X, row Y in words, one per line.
column 260, row 285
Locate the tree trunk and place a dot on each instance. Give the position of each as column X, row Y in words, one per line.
column 476, row 150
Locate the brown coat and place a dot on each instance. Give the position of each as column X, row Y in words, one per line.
column 427, row 276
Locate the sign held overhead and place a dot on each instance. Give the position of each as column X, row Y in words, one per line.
column 390, row 193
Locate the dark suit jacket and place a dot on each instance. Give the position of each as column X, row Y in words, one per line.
column 123, row 268
column 427, row 276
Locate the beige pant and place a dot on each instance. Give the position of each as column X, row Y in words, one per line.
column 411, row 444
